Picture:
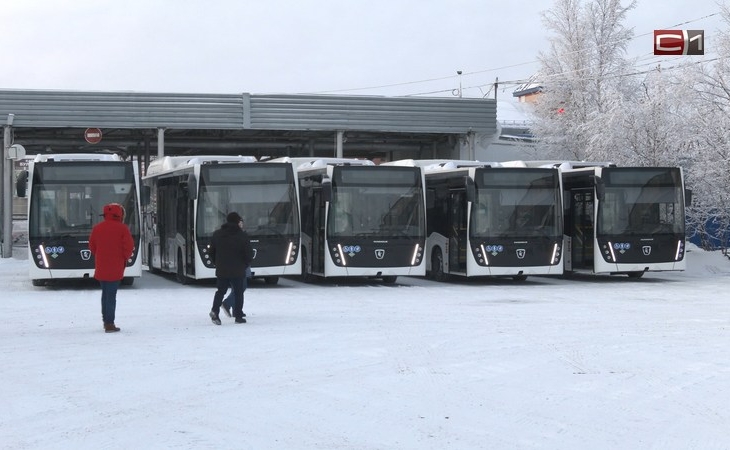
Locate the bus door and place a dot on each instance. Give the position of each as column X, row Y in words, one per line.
column 184, row 223
column 165, row 212
column 457, row 231
column 580, row 227
column 318, row 231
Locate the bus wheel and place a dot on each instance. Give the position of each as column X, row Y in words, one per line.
column 437, row 265
column 181, row 278
column 271, row 280
column 635, row 275
column 390, row 279
column 519, row 277
column 127, row 281
column 38, row 282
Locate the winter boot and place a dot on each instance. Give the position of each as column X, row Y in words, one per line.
column 111, row 328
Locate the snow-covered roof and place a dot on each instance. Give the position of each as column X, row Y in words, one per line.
column 531, row 86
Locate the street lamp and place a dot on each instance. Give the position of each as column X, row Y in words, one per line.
column 457, row 92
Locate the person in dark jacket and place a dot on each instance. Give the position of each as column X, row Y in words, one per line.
column 231, row 251
column 112, row 245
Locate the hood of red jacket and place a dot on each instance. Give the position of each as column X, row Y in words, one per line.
column 114, row 211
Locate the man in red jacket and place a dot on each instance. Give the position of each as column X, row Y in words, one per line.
column 112, row 245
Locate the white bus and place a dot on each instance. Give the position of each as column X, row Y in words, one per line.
column 187, row 198
column 359, row 219
column 67, row 194
column 492, row 219
column 623, row 220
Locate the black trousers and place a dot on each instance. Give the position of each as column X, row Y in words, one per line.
column 222, row 284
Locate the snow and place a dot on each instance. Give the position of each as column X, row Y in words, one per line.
column 551, row 363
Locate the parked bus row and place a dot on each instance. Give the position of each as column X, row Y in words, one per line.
column 328, row 217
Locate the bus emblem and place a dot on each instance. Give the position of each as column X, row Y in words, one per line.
column 646, row 249
column 380, row 253
column 86, row 255
column 255, row 251
column 521, row 253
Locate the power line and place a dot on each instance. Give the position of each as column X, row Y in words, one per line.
column 513, row 82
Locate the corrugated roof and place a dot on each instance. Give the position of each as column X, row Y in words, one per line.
column 49, row 109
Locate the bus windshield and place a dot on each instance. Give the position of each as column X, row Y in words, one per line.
column 516, row 203
column 641, row 202
column 267, row 209
column 377, row 211
column 70, row 207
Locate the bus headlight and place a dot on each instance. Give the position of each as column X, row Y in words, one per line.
column 205, row 254
column 417, row 255
column 608, row 253
column 339, row 255
column 680, row 250
column 555, row 259
column 291, row 253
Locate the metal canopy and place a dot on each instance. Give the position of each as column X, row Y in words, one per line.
column 274, row 125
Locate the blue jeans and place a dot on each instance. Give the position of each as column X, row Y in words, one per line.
column 109, row 300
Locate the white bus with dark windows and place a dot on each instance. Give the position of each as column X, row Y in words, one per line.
column 623, row 220
column 492, row 219
column 187, row 198
column 66, row 197
column 359, row 219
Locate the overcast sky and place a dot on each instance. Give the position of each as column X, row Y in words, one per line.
column 374, row 47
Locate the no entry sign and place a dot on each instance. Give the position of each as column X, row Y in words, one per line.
column 92, row 135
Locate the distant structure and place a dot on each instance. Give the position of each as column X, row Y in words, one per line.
column 529, row 91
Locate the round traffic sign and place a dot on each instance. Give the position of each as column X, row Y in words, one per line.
column 92, row 135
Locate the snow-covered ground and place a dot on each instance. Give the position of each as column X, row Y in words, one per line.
column 591, row 363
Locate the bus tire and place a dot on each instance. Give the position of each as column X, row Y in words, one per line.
column 437, row 265
column 180, row 274
column 519, row 277
column 390, row 279
column 635, row 275
column 271, row 280
column 127, row 281
column 37, row 282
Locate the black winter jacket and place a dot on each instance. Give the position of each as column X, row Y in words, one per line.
column 230, row 249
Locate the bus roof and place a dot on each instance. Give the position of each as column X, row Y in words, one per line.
column 563, row 165
column 306, row 163
column 170, row 163
column 445, row 164
column 76, row 157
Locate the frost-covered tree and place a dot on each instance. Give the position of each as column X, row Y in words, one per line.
column 649, row 127
column 709, row 174
column 581, row 75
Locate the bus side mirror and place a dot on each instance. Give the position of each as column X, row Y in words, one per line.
column 21, row 184
column 326, row 189
column 688, row 197
column 471, row 190
column 600, row 188
column 192, row 187
column 146, row 194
